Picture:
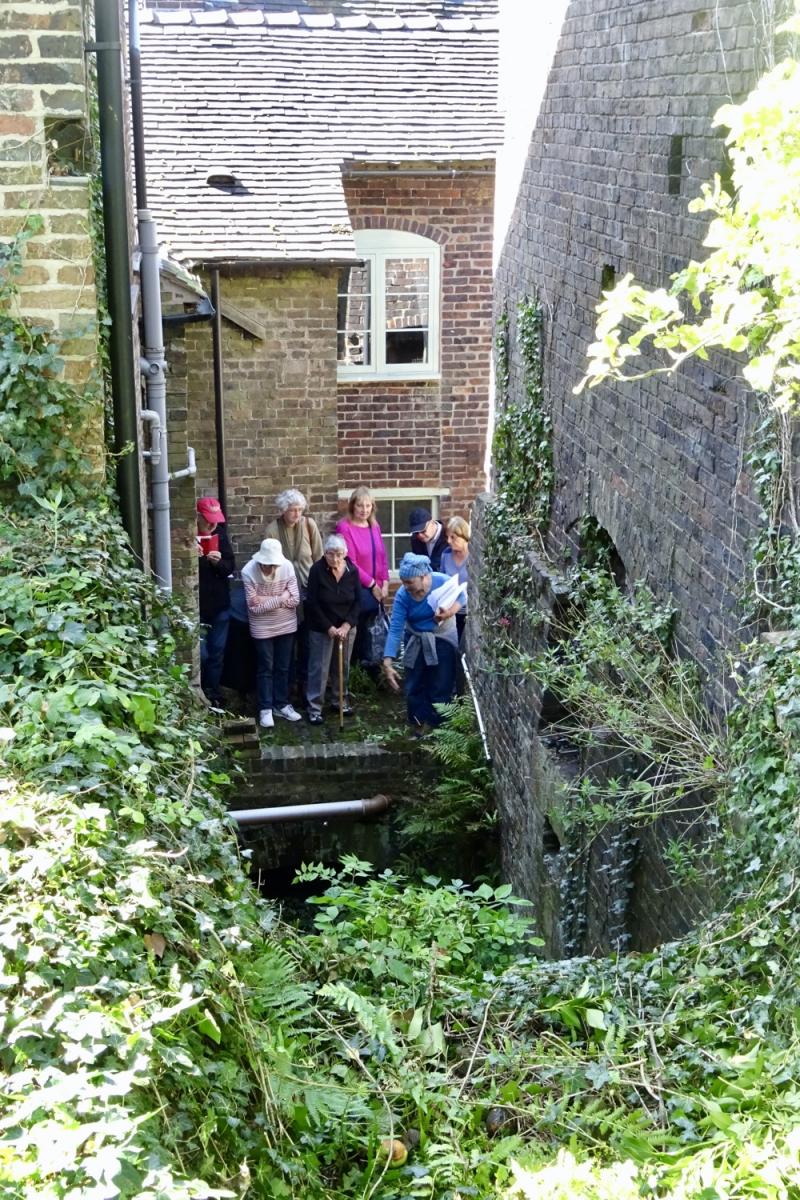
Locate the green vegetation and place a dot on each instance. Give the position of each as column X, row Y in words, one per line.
column 450, row 823
column 523, row 463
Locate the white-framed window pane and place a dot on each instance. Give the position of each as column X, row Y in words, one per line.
column 354, row 347
column 393, row 516
column 407, row 287
column 354, row 315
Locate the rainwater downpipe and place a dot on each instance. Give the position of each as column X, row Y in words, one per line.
column 154, row 365
column 310, row 812
column 219, row 389
column 108, row 48
column 156, row 388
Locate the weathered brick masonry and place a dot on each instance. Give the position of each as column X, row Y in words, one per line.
column 44, row 102
column 623, row 141
column 428, row 435
column 287, row 423
column 280, row 396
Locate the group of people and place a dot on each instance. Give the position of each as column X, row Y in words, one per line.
column 314, row 604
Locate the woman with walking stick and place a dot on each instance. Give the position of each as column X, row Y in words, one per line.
column 332, row 608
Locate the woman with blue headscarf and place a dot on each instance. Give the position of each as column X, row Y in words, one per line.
column 431, row 641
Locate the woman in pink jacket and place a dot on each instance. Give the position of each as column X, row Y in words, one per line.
column 270, row 588
column 365, row 548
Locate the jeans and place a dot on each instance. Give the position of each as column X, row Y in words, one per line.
column 428, row 685
column 321, row 649
column 273, row 656
column 298, row 670
column 212, row 653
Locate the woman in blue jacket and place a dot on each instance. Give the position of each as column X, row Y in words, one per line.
column 431, row 642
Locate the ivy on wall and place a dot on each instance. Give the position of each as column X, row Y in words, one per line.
column 39, row 412
column 523, row 465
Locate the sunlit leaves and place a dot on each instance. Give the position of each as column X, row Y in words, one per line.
column 745, row 295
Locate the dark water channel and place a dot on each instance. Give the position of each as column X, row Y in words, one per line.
column 404, row 772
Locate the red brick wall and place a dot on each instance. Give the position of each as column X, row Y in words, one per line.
column 428, row 435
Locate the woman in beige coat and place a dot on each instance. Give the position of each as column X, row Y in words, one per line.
column 301, row 544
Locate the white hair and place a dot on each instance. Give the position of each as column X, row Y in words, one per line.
column 335, row 541
column 289, row 498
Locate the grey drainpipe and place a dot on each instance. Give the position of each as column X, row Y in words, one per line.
column 219, row 390
column 155, row 360
column 118, row 258
column 310, row 812
column 156, row 385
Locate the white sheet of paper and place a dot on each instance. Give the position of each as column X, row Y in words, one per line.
column 447, row 593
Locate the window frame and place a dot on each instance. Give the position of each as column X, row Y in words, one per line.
column 429, row 498
column 376, row 246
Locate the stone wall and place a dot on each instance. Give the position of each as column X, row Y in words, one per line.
column 45, row 160
column 623, row 141
column 428, row 435
column 280, row 397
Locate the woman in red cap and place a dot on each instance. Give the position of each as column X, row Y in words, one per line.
column 216, row 564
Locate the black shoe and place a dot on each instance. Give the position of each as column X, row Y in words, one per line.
column 316, row 719
column 347, row 711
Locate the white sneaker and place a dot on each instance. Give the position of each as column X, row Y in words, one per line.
column 265, row 719
column 288, row 713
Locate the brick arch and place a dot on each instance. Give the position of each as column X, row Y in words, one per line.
column 403, row 225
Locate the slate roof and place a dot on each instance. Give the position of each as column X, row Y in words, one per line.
column 287, row 98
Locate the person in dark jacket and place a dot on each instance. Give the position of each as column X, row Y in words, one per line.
column 215, row 565
column 332, row 605
column 428, row 536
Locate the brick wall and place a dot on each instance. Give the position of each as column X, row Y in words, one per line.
column 623, row 141
column 43, row 131
column 428, row 435
column 280, row 397
column 613, row 893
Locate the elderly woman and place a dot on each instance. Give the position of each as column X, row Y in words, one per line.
column 301, row 544
column 270, row 588
column 333, row 601
column 365, row 549
column 455, row 559
column 431, row 652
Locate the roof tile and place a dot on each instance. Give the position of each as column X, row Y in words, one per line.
column 284, row 98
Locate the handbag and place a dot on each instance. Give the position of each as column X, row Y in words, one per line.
column 368, row 602
column 375, row 634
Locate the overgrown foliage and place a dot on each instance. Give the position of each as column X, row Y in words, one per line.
column 628, row 703
column 40, row 414
column 450, row 823
column 523, row 464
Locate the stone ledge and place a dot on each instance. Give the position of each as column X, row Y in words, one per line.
column 325, row 750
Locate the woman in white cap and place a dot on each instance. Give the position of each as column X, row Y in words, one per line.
column 270, row 588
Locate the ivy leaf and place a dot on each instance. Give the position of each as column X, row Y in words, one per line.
column 208, row 1025
column 143, row 711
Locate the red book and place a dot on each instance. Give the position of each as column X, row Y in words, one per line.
column 207, row 542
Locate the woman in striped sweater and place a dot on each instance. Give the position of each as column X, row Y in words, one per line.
column 270, row 588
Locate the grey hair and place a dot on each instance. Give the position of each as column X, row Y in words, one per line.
column 289, row 498
column 335, row 541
